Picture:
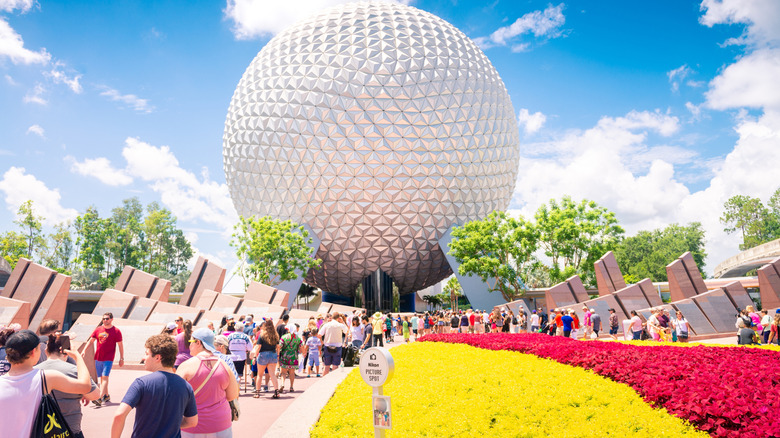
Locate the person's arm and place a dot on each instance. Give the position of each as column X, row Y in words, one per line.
column 121, row 353
column 119, row 420
column 190, row 421
column 94, row 395
column 86, row 347
column 61, row 382
column 231, row 392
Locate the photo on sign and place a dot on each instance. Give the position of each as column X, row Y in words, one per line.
column 382, row 412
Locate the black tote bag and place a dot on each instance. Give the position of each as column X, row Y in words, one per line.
column 49, row 423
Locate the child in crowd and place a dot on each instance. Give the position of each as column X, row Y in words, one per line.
column 314, row 349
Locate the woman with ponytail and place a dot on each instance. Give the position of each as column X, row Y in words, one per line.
column 183, row 342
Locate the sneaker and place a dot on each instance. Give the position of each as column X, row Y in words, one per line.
column 98, row 402
column 318, row 375
column 106, row 398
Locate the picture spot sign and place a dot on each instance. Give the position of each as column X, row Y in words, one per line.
column 376, row 366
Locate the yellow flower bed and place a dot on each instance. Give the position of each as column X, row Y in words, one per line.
column 446, row 390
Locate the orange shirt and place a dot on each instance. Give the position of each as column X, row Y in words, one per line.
column 558, row 321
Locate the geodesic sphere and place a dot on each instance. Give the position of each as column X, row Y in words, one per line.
column 379, row 125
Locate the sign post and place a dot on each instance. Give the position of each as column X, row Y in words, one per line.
column 376, row 368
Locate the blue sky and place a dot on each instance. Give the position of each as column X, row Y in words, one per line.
column 657, row 110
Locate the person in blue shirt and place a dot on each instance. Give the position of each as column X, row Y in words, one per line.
column 164, row 402
column 567, row 322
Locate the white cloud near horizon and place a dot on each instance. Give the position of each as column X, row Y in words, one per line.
column 101, row 169
column 37, row 130
column 191, row 198
column 259, row 18
column 18, row 187
column 130, row 100
column 540, row 24
column 614, row 164
column 531, row 123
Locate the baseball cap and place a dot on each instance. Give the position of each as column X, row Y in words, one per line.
column 206, row 337
column 171, row 326
column 23, row 342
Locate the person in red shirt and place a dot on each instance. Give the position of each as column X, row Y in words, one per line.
column 472, row 321
column 558, row 322
column 108, row 338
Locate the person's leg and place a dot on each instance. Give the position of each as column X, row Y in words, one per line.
column 272, row 373
column 291, row 372
column 260, row 371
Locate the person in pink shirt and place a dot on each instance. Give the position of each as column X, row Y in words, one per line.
column 214, row 386
column 636, row 325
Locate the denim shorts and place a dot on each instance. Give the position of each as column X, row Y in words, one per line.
column 329, row 358
column 314, row 360
column 103, row 367
column 267, row 357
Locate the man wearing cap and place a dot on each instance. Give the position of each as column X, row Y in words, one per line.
column 108, row 339
column 331, row 333
column 249, row 325
column 164, row 402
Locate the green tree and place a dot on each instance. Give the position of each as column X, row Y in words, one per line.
column 13, row 246
column 91, row 238
column 165, row 246
column 751, row 218
column 497, row 247
column 126, row 241
column 272, row 251
column 32, row 230
column 574, row 235
column 453, row 291
column 61, row 249
column 646, row 254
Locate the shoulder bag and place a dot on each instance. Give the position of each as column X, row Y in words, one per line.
column 49, row 422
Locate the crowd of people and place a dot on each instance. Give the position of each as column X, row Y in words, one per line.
column 195, row 373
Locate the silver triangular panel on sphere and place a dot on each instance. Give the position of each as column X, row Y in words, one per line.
column 378, row 126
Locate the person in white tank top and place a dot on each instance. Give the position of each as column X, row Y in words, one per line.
column 20, row 388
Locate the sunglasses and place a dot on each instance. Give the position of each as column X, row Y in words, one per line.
column 107, row 319
column 193, row 340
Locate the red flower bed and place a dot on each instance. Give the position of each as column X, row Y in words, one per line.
column 727, row 392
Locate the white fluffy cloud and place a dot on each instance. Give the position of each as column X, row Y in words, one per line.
column 101, row 169
column 541, row 24
column 752, row 81
column 531, row 123
column 613, row 164
column 189, row 197
column 130, row 100
column 37, row 130
column 761, row 16
column 12, row 47
column 12, row 5
column 256, row 18
column 19, row 187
